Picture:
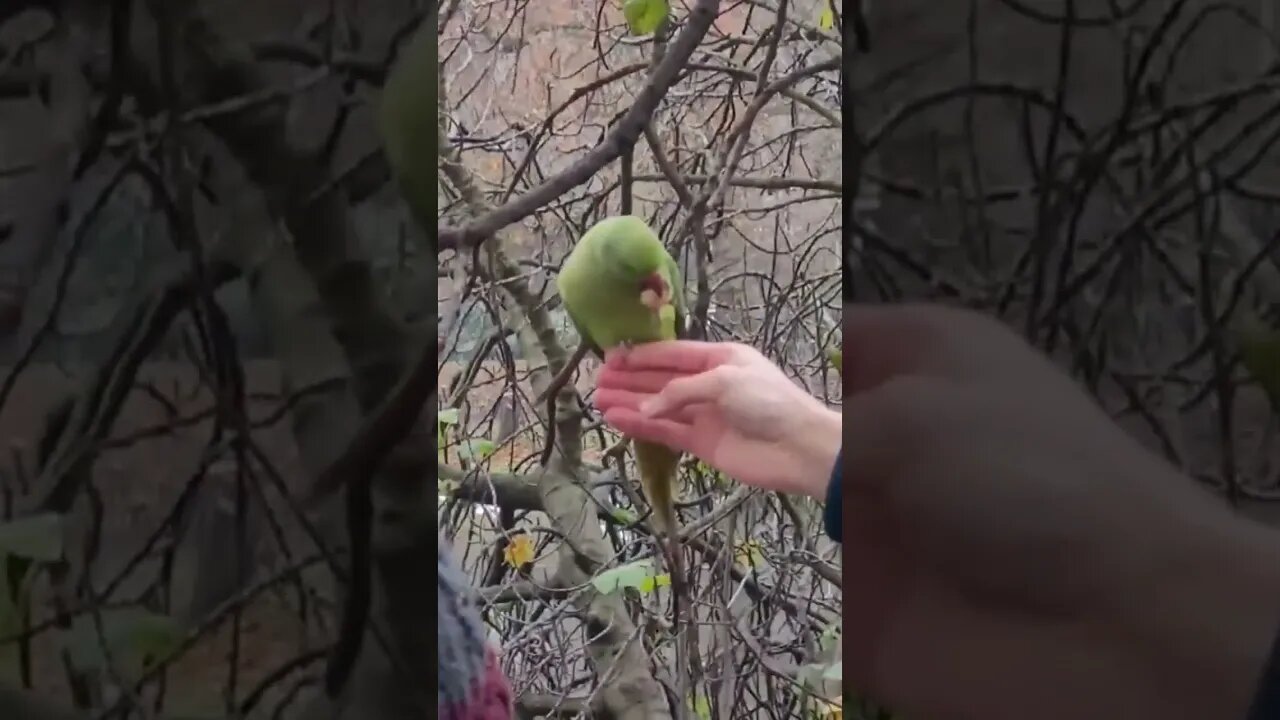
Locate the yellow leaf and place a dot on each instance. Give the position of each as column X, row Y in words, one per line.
column 750, row 553
column 519, row 551
column 827, row 20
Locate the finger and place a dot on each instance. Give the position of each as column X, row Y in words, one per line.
column 646, row 381
column 682, row 356
column 677, row 435
column 607, row 399
column 704, row 387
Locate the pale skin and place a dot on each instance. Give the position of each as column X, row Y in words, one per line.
column 1009, row 551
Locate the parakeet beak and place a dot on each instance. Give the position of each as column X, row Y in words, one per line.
column 654, row 293
column 650, row 299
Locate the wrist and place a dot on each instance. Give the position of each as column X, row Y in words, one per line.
column 817, row 443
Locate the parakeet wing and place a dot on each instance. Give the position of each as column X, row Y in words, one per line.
column 582, row 333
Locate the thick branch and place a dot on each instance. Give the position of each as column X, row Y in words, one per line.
column 622, row 138
column 519, row 492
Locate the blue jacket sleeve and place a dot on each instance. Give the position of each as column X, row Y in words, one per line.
column 832, row 514
column 1266, row 702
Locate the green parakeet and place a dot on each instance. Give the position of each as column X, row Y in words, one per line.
column 619, row 286
column 408, row 122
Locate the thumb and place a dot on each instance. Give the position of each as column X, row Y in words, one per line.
column 705, row 387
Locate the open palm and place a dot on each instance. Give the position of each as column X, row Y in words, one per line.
column 726, row 404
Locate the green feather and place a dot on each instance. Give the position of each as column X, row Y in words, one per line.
column 408, row 122
column 599, row 284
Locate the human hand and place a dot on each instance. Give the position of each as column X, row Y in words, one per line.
column 728, row 405
column 1012, row 553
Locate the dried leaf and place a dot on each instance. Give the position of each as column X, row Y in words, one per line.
column 519, row 551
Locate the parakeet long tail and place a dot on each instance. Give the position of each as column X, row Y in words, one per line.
column 657, row 465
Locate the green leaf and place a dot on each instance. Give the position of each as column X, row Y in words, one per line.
column 623, row 517
column 476, row 449
column 809, row 677
column 1259, row 347
column 649, row 584
column 639, row 575
column 830, row 637
column 644, row 17
column 38, row 537
column 827, row 19
column 836, row 356
column 444, row 418
column 834, row 672
column 701, row 707
column 136, row 639
column 718, row 480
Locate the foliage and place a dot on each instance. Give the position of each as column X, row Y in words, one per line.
column 1259, row 348
column 1124, row 221
column 129, row 640
column 644, row 16
column 639, row 575
column 749, row 214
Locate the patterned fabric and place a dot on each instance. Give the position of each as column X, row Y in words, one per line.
column 472, row 686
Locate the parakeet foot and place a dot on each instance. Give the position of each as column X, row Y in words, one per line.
column 622, row 349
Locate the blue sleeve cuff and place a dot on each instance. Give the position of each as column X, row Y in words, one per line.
column 832, row 514
column 1266, row 702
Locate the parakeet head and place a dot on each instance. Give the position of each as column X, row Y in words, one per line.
column 635, row 254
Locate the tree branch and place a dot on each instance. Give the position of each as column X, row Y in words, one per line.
column 623, row 137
